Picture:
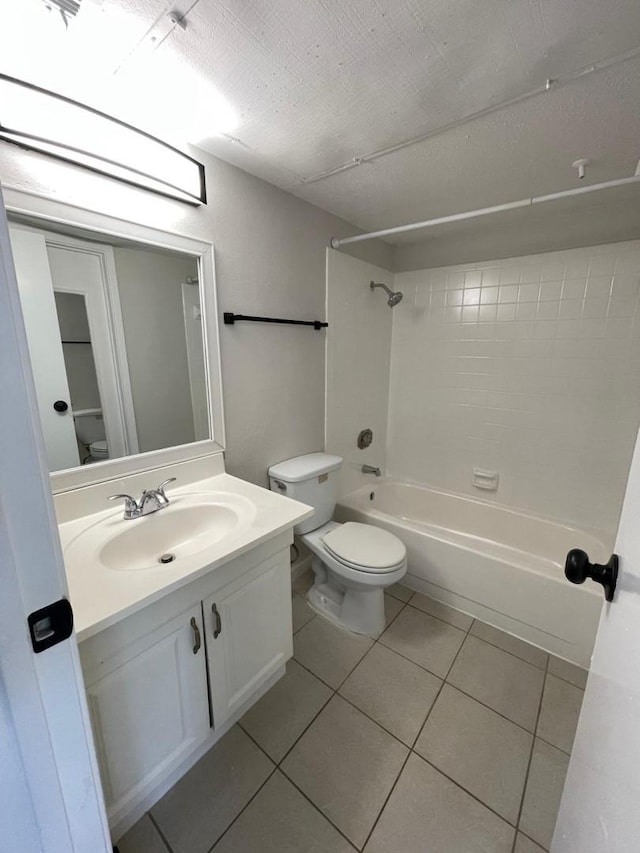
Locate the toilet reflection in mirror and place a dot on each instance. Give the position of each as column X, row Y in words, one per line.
column 115, row 337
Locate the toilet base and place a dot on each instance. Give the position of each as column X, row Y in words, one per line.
column 360, row 610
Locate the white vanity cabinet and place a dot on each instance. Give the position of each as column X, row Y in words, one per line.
column 166, row 682
column 248, row 635
column 149, row 707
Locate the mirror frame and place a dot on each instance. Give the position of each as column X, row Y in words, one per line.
column 45, row 210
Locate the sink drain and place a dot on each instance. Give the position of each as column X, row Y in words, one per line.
column 166, row 558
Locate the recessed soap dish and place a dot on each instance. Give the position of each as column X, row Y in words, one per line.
column 487, row 480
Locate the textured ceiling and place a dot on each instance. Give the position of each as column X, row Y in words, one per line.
column 315, row 85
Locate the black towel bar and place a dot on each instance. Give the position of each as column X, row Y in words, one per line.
column 230, row 318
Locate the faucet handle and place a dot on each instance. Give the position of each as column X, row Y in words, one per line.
column 130, row 504
column 160, row 488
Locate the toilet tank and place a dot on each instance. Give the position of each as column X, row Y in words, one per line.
column 311, row 479
column 89, row 425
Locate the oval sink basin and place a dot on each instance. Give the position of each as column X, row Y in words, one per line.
column 189, row 525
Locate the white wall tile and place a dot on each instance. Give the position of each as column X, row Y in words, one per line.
column 533, row 368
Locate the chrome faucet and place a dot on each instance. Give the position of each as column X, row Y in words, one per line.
column 371, row 469
column 151, row 500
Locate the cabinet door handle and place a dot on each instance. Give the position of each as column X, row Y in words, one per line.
column 218, row 628
column 196, row 635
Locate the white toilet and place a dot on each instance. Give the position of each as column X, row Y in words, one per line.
column 89, row 425
column 352, row 562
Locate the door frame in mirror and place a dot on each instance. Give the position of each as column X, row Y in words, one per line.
column 50, row 212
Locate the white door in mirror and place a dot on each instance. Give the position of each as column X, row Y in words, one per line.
column 45, row 348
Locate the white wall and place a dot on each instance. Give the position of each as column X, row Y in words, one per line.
column 529, row 366
column 149, row 285
column 358, row 358
column 270, row 259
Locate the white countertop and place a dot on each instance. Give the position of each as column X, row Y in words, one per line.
column 102, row 596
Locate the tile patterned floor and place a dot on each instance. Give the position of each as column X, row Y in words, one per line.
column 442, row 734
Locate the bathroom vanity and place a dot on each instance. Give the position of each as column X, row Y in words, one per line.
column 174, row 653
column 182, row 615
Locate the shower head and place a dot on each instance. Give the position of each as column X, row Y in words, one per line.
column 394, row 296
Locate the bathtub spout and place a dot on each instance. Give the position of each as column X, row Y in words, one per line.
column 371, row 469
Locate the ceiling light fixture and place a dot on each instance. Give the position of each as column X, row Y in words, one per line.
column 67, row 8
column 42, row 121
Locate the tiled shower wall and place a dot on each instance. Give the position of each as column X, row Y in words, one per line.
column 527, row 366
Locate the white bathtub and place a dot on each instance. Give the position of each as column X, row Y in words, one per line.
column 501, row 566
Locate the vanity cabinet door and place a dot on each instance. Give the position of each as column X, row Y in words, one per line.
column 149, row 708
column 248, row 634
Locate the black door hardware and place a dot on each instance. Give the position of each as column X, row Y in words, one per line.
column 60, row 406
column 578, row 568
column 50, row 625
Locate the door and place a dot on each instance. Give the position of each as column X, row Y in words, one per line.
column 248, row 634
column 56, row 801
column 599, row 810
column 45, row 348
column 77, row 268
column 149, row 708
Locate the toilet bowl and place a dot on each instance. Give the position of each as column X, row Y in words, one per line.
column 99, row 450
column 352, row 563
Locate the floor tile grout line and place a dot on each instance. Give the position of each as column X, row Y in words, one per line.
column 311, row 672
column 552, row 745
column 160, row 832
column 439, row 770
column 507, row 652
column 473, row 796
column 410, row 748
column 242, row 810
column 566, row 680
column 489, row 708
column 411, row 752
column 317, row 808
column 305, row 625
column 488, row 642
column 513, row 654
column 444, row 681
column 254, row 741
column 386, row 799
column 334, row 694
column 415, row 663
column 377, row 723
column 303, row 732
column 533, row 744
column 439, row 618
column 532, row 840
column 468, row 632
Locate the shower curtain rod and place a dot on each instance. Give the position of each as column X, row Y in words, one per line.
column 336, row 242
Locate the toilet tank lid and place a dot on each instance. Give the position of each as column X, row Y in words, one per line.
column 305, row 467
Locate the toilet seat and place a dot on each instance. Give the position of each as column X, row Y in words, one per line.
column 365, row 548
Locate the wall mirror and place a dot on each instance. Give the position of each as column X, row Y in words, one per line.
column 121, row 326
